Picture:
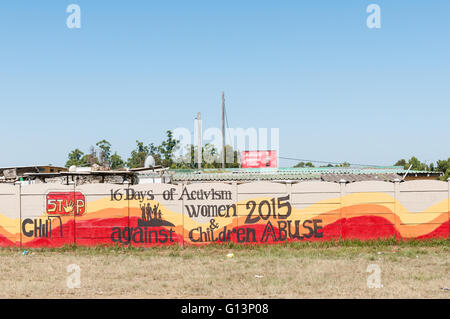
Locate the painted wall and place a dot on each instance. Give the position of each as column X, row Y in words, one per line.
column 159, row 214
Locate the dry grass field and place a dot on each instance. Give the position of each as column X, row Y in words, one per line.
column 333, row 270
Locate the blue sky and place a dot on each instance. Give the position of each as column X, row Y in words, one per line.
column 337, row 90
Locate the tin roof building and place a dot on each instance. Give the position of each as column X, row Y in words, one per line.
column 328, row 174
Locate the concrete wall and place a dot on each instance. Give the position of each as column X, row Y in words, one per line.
column 43, row 215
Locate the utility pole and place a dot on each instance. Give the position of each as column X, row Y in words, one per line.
column 199, row 141
column 223, row 129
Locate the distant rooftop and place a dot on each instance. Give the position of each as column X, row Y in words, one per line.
column 330, row 174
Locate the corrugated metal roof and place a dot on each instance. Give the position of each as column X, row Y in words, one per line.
column 332, row 174
column 359, row 177
column 242, row 177
column 321, row 170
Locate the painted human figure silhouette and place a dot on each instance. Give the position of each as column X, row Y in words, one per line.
column 155, row 211
column 152, row 216
column 149, row 211
column 143, row 212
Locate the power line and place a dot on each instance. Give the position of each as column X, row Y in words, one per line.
column 297, row 159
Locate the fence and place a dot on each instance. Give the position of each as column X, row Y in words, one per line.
column 54, row 215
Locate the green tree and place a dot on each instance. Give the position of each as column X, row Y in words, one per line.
column 116, row 161
column 154, row 151
column 415, row 164
column 303, row 164
column 166, row 150
column 401, row 162
column 345, row 164
column 443, row 165
column 232, row 157
column 211, row 157
column 77, row 158
column 104, row 156
column 163, row 153
column 186, row 159
column 138, row 155
column 446, row 175
column 100, row 155
column 91, row 158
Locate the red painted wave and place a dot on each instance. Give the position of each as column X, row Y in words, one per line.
column 6, row 242
column 125, row 231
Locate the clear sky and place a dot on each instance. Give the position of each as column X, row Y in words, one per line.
column 337, row 90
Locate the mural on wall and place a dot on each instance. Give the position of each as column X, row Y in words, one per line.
column 199, row 214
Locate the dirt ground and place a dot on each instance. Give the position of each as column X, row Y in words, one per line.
column 264, row 272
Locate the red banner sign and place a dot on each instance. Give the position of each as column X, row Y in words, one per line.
column 259, row 159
